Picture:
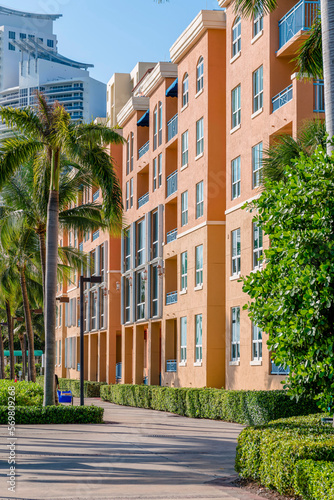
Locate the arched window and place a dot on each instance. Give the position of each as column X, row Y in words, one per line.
column 160, row 123
column 185, row 87
column 200, row 70
column 128, row 156
column 155, row 128
column 131, row 151
column 236, row 37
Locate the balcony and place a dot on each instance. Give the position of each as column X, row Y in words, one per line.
column 319, row 97
column 299, row 18
column 282, row 98
column 172, row 183
column 143, row 200
column 171, row 235
column 171, row 298
column 118, row 372
column 143, row 150
column 172, row 128
column 171, row 365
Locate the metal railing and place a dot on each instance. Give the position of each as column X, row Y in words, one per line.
column 171, row 365
column 143, row 150
column 143, row 200
column 171, row 235
column 172, row 127
column 279, row 369
column 300, row 17
column 318, row 96
column 171, row 298
column 172, row 183
column 118, row 371
column 282, row 98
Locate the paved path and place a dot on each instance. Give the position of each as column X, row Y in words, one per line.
column 136, row 454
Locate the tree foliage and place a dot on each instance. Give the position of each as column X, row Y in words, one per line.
column 293, row 295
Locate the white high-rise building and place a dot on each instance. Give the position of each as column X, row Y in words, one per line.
column 29, row 61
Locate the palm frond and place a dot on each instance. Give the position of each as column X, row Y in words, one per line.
column 73, row 258
column 251, row 8
column 25, row 120
column 88, row 217
column 14, row 152
column 309, row 56
column 92, row 133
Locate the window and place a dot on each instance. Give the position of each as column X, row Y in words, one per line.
column 185, row 90
column 236, row 106
column 155, row 174
column 236, row 181
column 257, row 245
column 155, row 234
column 200, row 71
column 257, row 164
column 155, row 288
column 200, row 136
column 184, row 142
column 59, row 316
column 127, row 299
column 184, row 208
column 141, row 295
column 257, row 343
column 258, row 89
column 141, row 234
column 155, row 128
column 50, row 43
column 11, row 35
column 199, row 265
column 131, row 151
column 160, row 170
column 198, row 326
column 258, row 23
column 235, row 338
column 127, row 196
column 101, row 304
column 96, row 195
column 11, row 46
column 184, row 270
column 96, row 235
column 160, row 124
column 59, row 352
column 131, row 192
column 128, row 156
column 23, row 36
column 183, row 339
column 102, row 261
column 199, row 199
column 236, row 252
column 236, row 37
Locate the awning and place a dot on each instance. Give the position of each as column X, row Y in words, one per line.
column 172, row 90
column 144, row 121
column 19, row 353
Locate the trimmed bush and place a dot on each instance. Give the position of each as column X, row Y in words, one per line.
column 91, row 389
column 54, row 415
column 269, row 454
column 243, row 407
column 314, row 480
column 26, row 393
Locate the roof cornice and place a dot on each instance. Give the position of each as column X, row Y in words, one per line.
column 12, row 12
column 133, row 104
column 224, row 3
column 155, row 77
column 205, row 20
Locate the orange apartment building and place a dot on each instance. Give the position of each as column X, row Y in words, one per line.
column 173, row 256
column 264, row 100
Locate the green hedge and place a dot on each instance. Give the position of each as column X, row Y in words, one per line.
column 314, row 480
column 91, row 389
column 54, row 415
column 26, row 393
column 270, row 454
column 244, row 407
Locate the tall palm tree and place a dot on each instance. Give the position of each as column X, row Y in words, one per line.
column 46, row 135
column 2, row 356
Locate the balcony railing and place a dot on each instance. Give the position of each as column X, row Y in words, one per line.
column 118, row 371
column 300, row 17
column 171, row 365
column 172, row 183
column 171, row 298
column 143, row 149
column 172, row 127
column 282, row 98
column 279, row 369
column 319, row 97
column 143, row 200
column 171, row 235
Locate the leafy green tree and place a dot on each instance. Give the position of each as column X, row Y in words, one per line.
column 292, row 297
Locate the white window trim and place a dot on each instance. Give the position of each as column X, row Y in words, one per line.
column 198, row 363
column 183, row 363
column 199, row 156
column 234, row 363
column 256, row 362
column 256, row 37
column 184, row 107
column 234, row 58
column 235, row 129
column 258, row 112
column 198, row 287
column 235, row 277
column 184, row 167
column 183, row 291
column 199, row 92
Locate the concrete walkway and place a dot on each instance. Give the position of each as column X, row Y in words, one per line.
column 136, row 454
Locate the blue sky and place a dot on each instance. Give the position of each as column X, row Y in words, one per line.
column 115, row 34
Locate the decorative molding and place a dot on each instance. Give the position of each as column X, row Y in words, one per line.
column 207, row 223
column 161, row 70
column 237, row 207
column 134, row 104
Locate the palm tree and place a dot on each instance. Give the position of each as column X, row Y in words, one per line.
column 2, row 356
column 46, row 135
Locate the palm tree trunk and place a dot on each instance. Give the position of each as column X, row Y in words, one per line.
column 50, row 296
column 42, row 251
column 23, row 349
column 327, row 29
column 30, row 333
column 10, row 340
column 2, row 356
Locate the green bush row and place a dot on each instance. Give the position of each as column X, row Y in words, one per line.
column 314, row 480
column 244, row 407
column 91, row 389
column 26, row 393
column 54, row 415
column 18, row 368
column 270, row 454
